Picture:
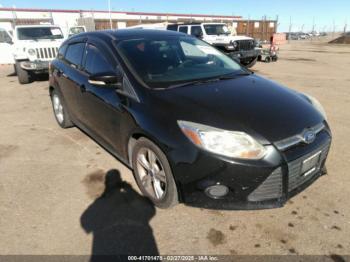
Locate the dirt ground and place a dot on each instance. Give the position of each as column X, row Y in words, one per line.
column 50, row 181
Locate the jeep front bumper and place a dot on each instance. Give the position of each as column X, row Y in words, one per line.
column 35, row 65
column 245, row 54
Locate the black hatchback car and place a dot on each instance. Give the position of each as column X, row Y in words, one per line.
column 193, row 125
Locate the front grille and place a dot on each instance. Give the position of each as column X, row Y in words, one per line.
column 245, row 45
column 296, row 178
column 48, row 53
column 298, row 138
column 271, row 188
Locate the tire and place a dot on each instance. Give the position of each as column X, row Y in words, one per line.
column 267, row 59
column 251, row 63
column 23, row 75
column 157, row 184
column 59, row 110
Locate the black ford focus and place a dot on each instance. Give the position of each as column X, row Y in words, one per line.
column 193, row 125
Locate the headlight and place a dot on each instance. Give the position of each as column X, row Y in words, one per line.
column 223, row 142
column 31, row 52
column 317, row 105
column 235, row 44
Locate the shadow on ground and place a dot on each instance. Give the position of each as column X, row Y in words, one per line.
column 34, row 77
column 119, row 220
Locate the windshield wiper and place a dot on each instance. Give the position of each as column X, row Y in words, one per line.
column 234, row 75
column 211, row 80
column 196, row 82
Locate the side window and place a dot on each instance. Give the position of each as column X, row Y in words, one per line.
column 4, row 37
column 62, row 52
column 172, row 27
column 196, row 31
column 95, row 62
column 183, row 29
column 75, row 53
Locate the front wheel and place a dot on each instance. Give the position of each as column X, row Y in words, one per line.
column 23, row 75
column 153, row 174
column 251, row 63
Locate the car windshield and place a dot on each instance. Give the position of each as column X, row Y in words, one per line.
column 175, row 60
column 34, row 33
column 216, row 29
column 76, row 30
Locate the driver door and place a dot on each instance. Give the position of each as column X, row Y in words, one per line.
column 102, row 107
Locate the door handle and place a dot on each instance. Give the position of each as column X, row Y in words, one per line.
column 82, row 88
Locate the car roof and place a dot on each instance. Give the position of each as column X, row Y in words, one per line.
column 122, row 34
column 36, row 26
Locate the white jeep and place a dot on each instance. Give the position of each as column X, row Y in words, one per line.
column 34, row 47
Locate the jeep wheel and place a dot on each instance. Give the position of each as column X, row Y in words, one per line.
column 23, row 75
column 251, row 63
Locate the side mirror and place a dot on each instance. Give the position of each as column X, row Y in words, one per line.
column 108, row 79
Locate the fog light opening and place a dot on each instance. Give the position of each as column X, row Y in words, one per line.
column 216, row 191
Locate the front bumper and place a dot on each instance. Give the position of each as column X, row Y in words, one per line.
column 42, row 66
column 245, row 54
column 261, row 185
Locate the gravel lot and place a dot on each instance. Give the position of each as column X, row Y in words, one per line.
column 50, row 181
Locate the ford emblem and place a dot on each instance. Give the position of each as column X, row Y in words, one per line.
column 309, row 137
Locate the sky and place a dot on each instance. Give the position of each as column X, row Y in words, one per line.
column 324, row 14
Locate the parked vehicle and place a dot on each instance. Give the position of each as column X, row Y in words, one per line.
column 193, row 125
column 35, row 46
column 74, row 30
column 6, row 47
column 240, row 48
column 269, row 54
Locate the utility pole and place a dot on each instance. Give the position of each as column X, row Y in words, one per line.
column 345, row 26
column 290, row 29
column 110, row 14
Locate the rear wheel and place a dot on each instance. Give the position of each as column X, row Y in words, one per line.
column 153, row 174
column 267, row 59
column 60, row 111
column 23, row 75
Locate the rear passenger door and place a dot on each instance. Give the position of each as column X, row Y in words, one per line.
column 70, row 77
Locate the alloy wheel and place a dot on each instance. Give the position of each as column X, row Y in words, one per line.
column 151, row 173
column 58, row 108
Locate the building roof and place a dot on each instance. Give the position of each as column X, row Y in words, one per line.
column 114, row 12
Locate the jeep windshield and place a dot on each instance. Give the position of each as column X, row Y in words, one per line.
column 35, row 33
column 217, row 29
column 176, row 61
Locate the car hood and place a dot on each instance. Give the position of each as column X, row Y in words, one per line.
column 252, row 104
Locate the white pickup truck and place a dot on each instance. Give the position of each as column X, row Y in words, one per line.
column 241, row 48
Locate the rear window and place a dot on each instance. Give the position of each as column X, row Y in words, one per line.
column 74, row 54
